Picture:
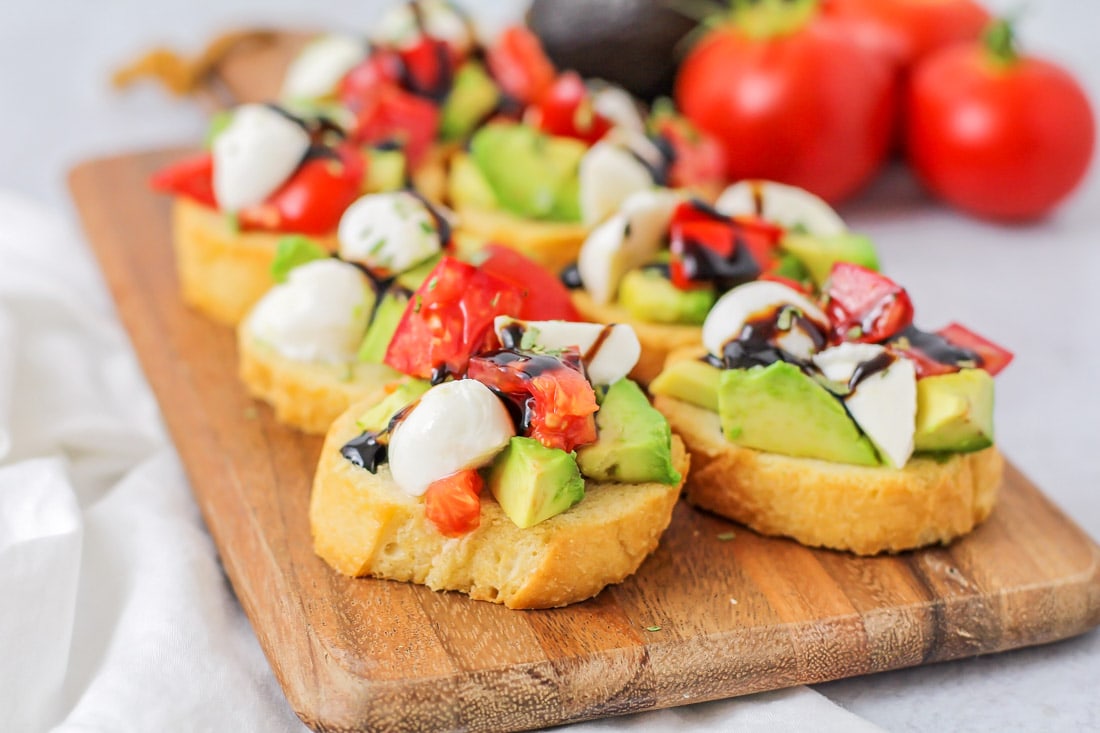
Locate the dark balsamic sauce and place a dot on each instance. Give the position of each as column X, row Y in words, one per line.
column 755, row 345
column 936, row 348
column 571, row 277
column 524, row 365
column 365, row 451
column 441, row 224
column 703, row 264
column 870, row 368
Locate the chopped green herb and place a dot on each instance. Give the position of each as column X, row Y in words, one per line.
column 292, row 251
column 433, row 283
column 530, row 339
column 854, row 332
column 495, row 300
column 726, row 536
column 377, row 246
column 233, row 222
column 427, row 228
column 419, row 303
column 653, row 628
column 786, row 318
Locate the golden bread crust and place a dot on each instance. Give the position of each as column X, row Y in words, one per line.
column 657, row 339
column 222, row 273
column 552, row 244
column 364, row 525
column 305, row 395
column 822, row 504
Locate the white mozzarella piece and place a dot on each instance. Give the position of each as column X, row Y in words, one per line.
column 255, row 154
column 629, row 239
column 738, row 306
column 607, row 175
column 884, row 404
column 388, row 231
column 455, row 426
column 442, row 20
column 318, row 315
column 617, row 353
column 616, row 104
column 786, row 205
column 316, row 72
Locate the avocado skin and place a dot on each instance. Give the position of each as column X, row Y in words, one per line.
column 635, row 441
column 532, row 482
column 627, row 42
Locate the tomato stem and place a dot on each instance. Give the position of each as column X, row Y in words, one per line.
column 764, row 19
column 999, row 40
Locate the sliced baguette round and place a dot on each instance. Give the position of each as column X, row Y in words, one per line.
column 658, row 340
column 305, row 395
column 822, row 504
column 364, row 525
column 222, row 272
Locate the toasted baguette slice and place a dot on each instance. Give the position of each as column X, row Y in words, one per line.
column 364, row 525
column 221, row 272
column 305, row 395
column 658, row 340
column 822, row 504
column 552, row 244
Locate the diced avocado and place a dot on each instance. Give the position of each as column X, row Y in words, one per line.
column 819, row 254
column 467, row 185
column 385, row 170
column 532, row 482
column 218, row 122
column 955, row 412
column 527, row 170
column 651, row 297
column 779, row 409
column 403, row 392
column 413, row 278
column 294, row 250
column 689, row 380
column 791, row 268
column 567, row 204
column 635, row 442
column 473, row 96
column 381, row 329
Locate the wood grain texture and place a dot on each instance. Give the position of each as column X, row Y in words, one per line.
column 707, row 616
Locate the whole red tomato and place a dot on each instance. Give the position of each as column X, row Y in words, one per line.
column 913, row 28
column 996, row 134
column 804, row 105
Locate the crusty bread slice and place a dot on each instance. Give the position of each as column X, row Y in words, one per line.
column 552, row 244
column 658, row 340
column 305, row 395
column 822, row 504
column 222, row 273
column 364, row 525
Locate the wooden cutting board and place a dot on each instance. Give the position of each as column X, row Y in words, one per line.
column 716, row 612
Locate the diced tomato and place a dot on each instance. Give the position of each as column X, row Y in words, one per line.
column 698, row 158
column 864, row 305
column 453, row 503
column 994, row 358
column 518, row 63
column 429, row 67
column 544, row 296
column 391, row 113
column 191, row 177
column 382, row 67
column 707, row 247
column 556, row 400
column 449, row 318
column 566, row 110
column 314, row 198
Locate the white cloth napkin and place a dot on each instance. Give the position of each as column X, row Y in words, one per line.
column 114, row 612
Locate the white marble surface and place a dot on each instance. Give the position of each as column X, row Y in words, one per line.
column 1031, row 288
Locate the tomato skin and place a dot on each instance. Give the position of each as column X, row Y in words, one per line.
column 448, row 318
column 566, row 110
column 741, row 248
column 191, row 177
column 994, row 358
column 810, row 108
column 389, row 112
column 912, row 29
column 544, row 296
column 865, row 306
column 314, row 198
column 1002, row 141
column 699, row 159
column 453, row 503
column 519, row 64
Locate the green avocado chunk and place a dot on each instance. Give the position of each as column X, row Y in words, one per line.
column 414, row 277
column 378, row 416
column 381, row 328
column 294, row 250
column 779, row 409
column 955, row 412
column 651, row 297
column 819, row 254
column 689, row 380
column 386, row 170
column 473, row 97
column 531, row 174
column 532, row 482
column 635, row 442
column 468, row 187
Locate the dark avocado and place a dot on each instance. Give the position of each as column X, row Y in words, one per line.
column 629, row 42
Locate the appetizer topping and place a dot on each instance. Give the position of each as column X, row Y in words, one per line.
column 545, row 297
column 615, row 104
column 389, row 232
column 455, row 426
column 864, row 305
column 317, row 71
column 404, row 24
column 763, row 321
column 567, row 109
column 880, row 393
column 607, row 175
column 319, row 314
column 789, row 206
column 608, row 352
column 708, row 247
column 255, row 154
column 453, row 503
column 949, row 350
column 629, row 239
